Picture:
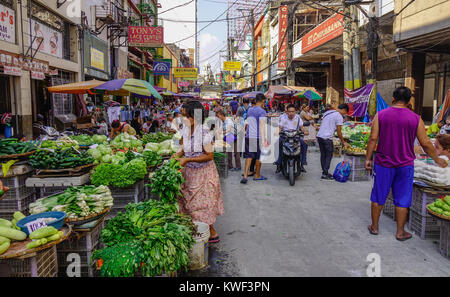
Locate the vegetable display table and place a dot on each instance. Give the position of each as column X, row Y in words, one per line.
column 18, row 261
column 52, row 185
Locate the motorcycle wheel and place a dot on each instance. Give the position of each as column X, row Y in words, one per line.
column 291, row 174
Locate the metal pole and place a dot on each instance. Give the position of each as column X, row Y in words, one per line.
column 356, row 53
column 196, row 32
column 252, row 22
column 348, row 68
column 372, row 55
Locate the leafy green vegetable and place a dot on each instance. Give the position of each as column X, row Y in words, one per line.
column 156, row 137
column 166, row 182
column 119, row 175
column 60, row 158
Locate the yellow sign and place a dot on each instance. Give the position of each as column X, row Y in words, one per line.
column 97, row 59
column 232, row 66
column 185, row 72
column 229, row 79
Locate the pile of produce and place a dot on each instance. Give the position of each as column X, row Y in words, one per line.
column 12, row 146
column 152, row 159
column 128, row 142
column 431, row 172
column 87, row 140
column 10, row 232
column 62, row 143
column 59, row 158
column 120, row 175
column 76, row 202
column 166, row 182
column 441, row 206
column 360, row 139
column 219, row 159
column 149, row 238
column 156, row 137
column 165, row 148
column 348, row 131
column 104, row 154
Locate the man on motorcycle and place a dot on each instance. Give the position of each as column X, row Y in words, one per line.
column 292, row 121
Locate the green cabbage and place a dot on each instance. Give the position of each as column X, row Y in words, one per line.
column 106, row 159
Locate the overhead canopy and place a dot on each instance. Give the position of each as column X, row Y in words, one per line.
column 252, row 95
column 281, row 90
column 125, row 87
column 76, row 88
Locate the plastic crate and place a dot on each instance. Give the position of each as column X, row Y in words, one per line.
column 359, row 175
column 82, row 241
column 135, row 189
column 49, row 191
column 17, row 193
column 9, row 206
column 87, row 267
column 426, row 227
column 16, row 181
column 444, row 241
column 422, row 197
column 389, row 207
column 356, row 162
column 122, row 201
column 44, row 264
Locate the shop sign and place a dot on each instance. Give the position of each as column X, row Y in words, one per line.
column 326, row 31
column 232, row 66
column 10, row 59
column 145, row 36
column 183, row 84
column 46, row 39
column 229, row 79
column 124, row 74
column 358, row 100
column 7, row 24
column 185, row 72
column 37, row 75
column 282, row 39
column 97, row 59
column 10, row 70
column 53, row 72
column 35, row 65
column 161, row 67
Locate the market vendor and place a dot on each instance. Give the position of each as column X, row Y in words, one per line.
column 118, row 127
column 442, row 145
column 201, row 191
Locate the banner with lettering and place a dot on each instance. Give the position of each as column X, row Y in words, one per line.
column 358, row 100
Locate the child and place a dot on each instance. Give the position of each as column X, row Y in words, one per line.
column 446, row 128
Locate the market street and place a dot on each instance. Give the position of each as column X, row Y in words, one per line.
column 316, row 228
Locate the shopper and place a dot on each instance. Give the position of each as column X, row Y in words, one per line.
column 147, row 125
column 332, row 120
column 292, row 122
column 118, row 127
column 234, row 105
column 229, row 132
column 202, row 194
column 154, row 128
column 255, row 137
column 307, row 115
column 442, row 145
column 136, row 122
column 394, row 130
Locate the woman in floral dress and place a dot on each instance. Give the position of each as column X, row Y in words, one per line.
column 202, row 194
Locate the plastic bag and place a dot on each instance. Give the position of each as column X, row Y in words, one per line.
column 342, row 172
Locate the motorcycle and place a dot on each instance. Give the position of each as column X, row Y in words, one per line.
column 291, row 153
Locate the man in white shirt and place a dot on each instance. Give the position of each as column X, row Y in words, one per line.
column 292, row 121
column 331, row 120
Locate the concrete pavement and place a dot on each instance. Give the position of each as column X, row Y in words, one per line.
column 315, row 228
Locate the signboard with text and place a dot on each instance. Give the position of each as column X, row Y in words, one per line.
column 282, row 37
column 161, row 67
column 97, row 59
column 232, row 66
column 326, row 31
column 145, row 36
column 7, row 24
column 46, row 39
column 184, row 84
column 185, row 72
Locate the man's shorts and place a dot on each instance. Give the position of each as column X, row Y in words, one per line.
column 399, row 179
column 252, row 148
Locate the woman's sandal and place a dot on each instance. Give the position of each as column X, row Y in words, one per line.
column 371, row 230
column 214, row 239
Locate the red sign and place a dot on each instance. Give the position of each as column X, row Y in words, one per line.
column 326, row 31
column 282, row 36
column 37, row 75
column 183, row 84
column 145, row 36
column 10, row 70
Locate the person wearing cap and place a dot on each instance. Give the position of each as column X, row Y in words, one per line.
column 118, row 127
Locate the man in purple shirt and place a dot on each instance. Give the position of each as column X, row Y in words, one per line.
column 234, row 105
column 395, row 129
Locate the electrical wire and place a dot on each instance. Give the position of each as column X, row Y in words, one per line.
column 175, row 7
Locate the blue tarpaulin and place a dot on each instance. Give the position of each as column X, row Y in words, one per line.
column 381, row 104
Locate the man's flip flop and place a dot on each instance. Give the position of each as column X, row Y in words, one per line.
column 404, row 238
column 371, row 231
column 214, row 240
column 243, row 181
column 261, row 178
column 252, row 174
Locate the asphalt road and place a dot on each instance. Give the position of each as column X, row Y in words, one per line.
column 315, row 228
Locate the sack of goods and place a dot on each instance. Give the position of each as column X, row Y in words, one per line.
column 431, row 172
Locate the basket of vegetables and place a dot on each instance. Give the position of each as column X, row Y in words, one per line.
column 12, row 148
column 61, row 160
column 81, row 204
column 440, row 208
